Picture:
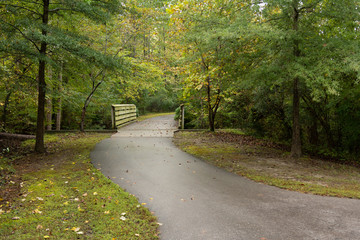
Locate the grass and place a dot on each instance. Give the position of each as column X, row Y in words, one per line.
column 263, row 162
column 64, row 197
column 151, row 115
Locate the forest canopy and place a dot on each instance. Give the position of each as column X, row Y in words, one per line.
column 287, row 70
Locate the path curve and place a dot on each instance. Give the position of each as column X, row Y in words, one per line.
column 194, row 200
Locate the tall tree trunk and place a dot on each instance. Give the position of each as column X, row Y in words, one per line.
column 40, row 129
column 48, row 114
column 82, row 121
column 49, row 108
column 59, row 100
column 58, row 114
column 296, row 137
column 210, row 110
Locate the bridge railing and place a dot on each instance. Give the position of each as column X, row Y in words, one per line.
column 122, row 114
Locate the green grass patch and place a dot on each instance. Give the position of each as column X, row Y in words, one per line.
column 151, row 115
column 271, row 166
column 6, row 169
column 65, row 197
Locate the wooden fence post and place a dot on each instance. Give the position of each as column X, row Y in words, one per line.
column 182, row 116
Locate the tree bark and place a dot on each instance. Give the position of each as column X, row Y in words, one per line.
column 211, row 114
column 59, row 100
column 40, row 129
column 48, row 114
column 296, row 137
column 49, row 108
column 212, row 109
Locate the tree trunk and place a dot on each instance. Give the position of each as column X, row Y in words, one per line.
column 48, row 114
column 48, row 108
column 40, row 129
column 58, row 114
column 82, row 121
column 59, row 100
column 210, row 110
column 296, row 137
column 211, row 120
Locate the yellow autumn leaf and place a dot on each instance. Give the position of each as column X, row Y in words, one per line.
column 75, row 229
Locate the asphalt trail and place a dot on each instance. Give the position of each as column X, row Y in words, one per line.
column 194, row 200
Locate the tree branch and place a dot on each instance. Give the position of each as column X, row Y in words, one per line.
column 21, row 7
column 23, row 34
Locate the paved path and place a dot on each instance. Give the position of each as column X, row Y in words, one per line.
column 196, row 201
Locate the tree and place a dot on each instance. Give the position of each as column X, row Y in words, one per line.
column 29, row 33
column 297, row 47
column 213, row 40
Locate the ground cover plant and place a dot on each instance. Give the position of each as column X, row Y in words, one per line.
column 269, row 163
column 61, row 195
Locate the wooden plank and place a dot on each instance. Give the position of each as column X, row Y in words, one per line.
column 123, row 114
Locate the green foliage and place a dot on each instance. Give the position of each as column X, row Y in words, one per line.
column 230, row 62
